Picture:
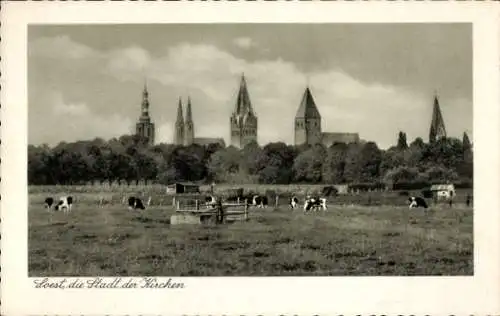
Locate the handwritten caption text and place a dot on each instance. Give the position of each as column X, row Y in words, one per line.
column 111, row 283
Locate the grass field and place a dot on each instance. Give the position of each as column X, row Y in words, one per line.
column 356, row 240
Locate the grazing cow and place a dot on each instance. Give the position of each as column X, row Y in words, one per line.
column 135, row 203
column 259, row 201
column 210, row 201
column 314, row 204
column 48, row 202
column 65, row 203
column 294, row 202
column 417, row 202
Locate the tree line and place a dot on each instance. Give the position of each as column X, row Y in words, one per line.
column 129, row 159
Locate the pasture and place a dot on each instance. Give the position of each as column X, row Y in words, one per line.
column 346, row 240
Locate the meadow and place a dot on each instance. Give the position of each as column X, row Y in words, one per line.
column 110, row 240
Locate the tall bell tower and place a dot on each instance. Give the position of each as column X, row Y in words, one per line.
column 243, row 120
column 145, row 128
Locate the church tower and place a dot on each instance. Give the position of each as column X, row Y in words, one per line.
column 188, row 125
column 437, row 130
column 179, row 126
column 307, row 121
column 144, row 127
column 243, row 121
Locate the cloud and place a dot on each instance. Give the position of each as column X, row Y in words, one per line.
column 128, row 61
column 60, row 47
column 62, row 109
column 244, row 42
column 211, row 77
column 74, row 121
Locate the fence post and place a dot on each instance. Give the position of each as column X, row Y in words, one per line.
column 277, row 198
column 173, row 201
column 238, row 201
column 177, row 205
column 197, row 205
column 246, row 210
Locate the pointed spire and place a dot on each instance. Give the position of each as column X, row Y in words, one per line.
column 243, row 104
column 437, row 129
column 180, row 117
column 189, row 115
column 307, row 108
column 145, row 101
column 466, row 142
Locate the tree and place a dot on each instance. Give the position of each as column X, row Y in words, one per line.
column 223, row 164
column 391, row 158
column 401, row 175
column 371, row 157
column 334, row 164
column 307, row 167
column 402, row 144
column 352, row 167
column 413, row 155
column 446, row 152
column 249, row 158
column 275, row 163
column 440, row 174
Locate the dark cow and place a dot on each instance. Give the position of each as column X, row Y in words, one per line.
column 417, row 202
column 65, row 203
column 294, row 202
column 48, row 202
column 314, row 203
column 259, row 201
column 135, row 203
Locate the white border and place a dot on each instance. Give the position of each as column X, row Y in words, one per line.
column 477, row 295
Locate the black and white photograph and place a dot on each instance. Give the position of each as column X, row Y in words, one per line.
column 219, row 158
column 250, row 150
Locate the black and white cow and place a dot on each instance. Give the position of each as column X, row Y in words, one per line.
column 314, row 204
column 65, row 203
column 417, row 202
column 259, row 201
column 135, row 203
column 210, row 201
column 49, row 202
column 294, row 202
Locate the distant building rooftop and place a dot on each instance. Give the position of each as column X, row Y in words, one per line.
column 208, row 140
column 329, row 139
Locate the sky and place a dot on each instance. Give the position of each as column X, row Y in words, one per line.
column 86, row 81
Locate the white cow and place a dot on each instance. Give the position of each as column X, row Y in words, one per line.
column 65, row 203
column 210, row 201
column 294, row 202
column 314, row 204
column 260, row 201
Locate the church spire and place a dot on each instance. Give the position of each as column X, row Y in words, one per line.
column 179, row 126
column 466, row 142
column 307, row 108
column 243, row 104
column 188, row 125
column 189, row 115
column 180, row 117
column 437, row 129
column 145, row 101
